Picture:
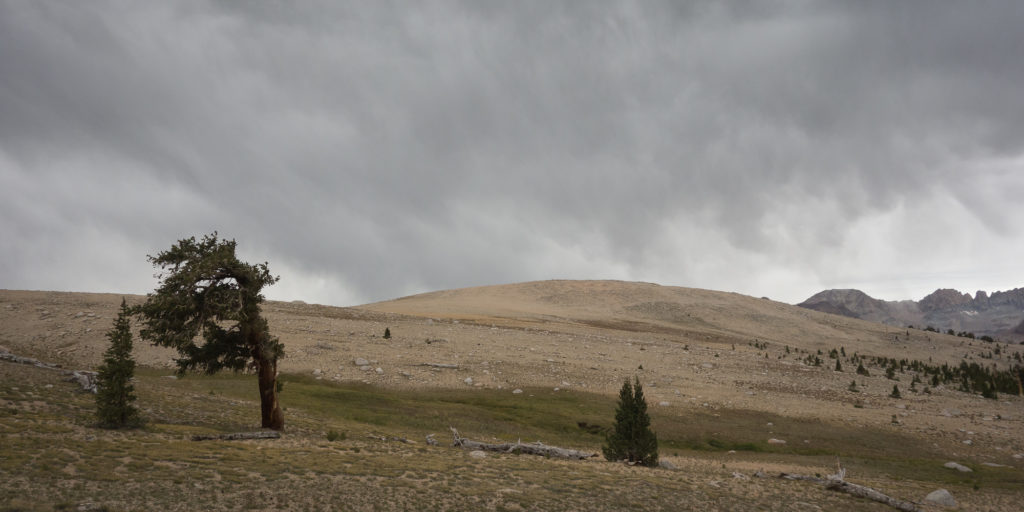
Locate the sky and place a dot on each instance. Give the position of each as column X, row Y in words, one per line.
column 369, row 150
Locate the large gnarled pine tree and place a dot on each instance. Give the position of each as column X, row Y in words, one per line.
column 208, row 308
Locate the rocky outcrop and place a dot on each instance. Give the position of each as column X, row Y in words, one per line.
column 999, row 315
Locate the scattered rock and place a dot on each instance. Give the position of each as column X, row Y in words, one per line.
column 776, row 441
column 361, row 362
column 478, row 454
column 664, row 464
column 365, row 368
column 517, row 391
column 968, row 442
column 707, row 365
column 740, row 476
column 1018, row 456
column 959, row 467
column 663, row 404
column 468, row 381
column 994, row 465
column 317, row 372
column 379, row 370
column 941, row 497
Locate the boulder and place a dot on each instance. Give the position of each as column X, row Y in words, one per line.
column 361, row 362
column 664, row 464
column 940, row 497
column 959, row 467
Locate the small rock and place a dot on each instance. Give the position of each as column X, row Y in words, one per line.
column 663, row 404
column 959, row 467
column 776, row 441
column 1018, row 456
column 478, row 454
column 968, row 442
column 361, row 362
column 317, row 372
column 941, row 497
column 379, row 370
column 707, row 365
column 468, row 381
column 365, row 368
column 664, row 464
column 740, row 476
column 994, row 465
column 517, row 391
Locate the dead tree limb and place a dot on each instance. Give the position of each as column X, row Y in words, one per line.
column 238, row 436
column 441, row 365
column 537, row 448
column 836, row 483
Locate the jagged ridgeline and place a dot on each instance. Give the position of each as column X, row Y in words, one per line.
column 999, row 316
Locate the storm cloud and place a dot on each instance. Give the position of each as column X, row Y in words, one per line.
column 369, row 150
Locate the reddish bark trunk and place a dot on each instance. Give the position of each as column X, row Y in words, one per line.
column 270, row 410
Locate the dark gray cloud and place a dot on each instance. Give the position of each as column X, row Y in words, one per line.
column 369, row 150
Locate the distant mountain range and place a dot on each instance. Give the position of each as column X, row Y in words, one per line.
column 1000, row 315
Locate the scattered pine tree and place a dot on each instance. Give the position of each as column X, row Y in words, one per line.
column 839, row 366
column 115, row 393
column 387, row 333
column 632, row 438
column 895, row 392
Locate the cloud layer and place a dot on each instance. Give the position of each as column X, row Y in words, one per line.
column 369, row 151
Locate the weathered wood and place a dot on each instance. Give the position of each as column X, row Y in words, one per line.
column 871, row 494
column 238, row 436
column 836, row 483
column 391, row 438
column 537, row 448
column 441, row 365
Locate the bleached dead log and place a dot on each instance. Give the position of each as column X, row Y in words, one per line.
column 441, row 365
column 836, row 483
column 537, row 448
column 391, row 438
column 7, row 356
column 88, row 380
column 263, row 434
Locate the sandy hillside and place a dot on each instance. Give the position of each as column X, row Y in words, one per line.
column 695, row 350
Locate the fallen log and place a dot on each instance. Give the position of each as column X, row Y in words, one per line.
column 264, row 434
column 537, row 448
column 837, row 483
column 441, row 365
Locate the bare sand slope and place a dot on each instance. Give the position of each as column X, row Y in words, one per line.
column 693, row 349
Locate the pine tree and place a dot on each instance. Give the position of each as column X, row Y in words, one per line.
column 632, row 438
column 895, row 392
column 387, row 333
column 839, row 366
column 114, row 391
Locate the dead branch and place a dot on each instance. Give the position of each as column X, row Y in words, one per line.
column 441, row 365
column 871, row 494
column 537, row 448
column 836, row 483
column 391, row 438
column 263, row 434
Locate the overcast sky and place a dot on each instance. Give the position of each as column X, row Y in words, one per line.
column 369, row 150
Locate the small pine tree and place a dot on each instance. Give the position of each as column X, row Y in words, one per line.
column 862, row 371
column 895, row 392
column 853, row 386
column 839, row 366
column 632, row 438
column 387, row 333
column 114, row 391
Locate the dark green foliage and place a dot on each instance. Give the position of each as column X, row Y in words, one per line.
column 115, row 393
column 387, row 333
column 895, row 392
column 208, row 308
column 853, row 386
column 862, row 371
column 839, row 366
column 632, row 439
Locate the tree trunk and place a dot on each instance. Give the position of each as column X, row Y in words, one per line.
column 270, row 410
